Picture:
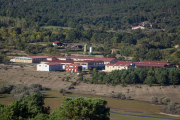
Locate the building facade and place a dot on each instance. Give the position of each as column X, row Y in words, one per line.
column 49, row 67
column 119, row 66
column 73, row 67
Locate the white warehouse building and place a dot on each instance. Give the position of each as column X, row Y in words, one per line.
column 49, row 66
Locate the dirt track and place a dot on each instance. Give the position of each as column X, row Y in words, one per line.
column 53, row 80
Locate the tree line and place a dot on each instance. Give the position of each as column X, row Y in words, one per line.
column 102, row 14
column 150, row 76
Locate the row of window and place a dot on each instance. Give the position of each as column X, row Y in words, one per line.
column 23, row 58
column 39, row 59
column 118, row 66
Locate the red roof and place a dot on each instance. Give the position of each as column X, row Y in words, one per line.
column 150, row 64
column 165, row 62
column 90, row 58
column 75, row 64
column 51, row 57
column 70, row 61
column 57, row 42
column 37, row 56
column 52, row 63
column 120, row 63
column 114, row 49
column 59, row 61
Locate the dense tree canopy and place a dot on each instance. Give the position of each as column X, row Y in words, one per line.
column 137, row 76
column 102, row 13
column 32, row 108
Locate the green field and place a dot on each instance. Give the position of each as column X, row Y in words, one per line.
column 123, row 108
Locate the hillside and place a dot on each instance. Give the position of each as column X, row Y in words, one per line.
column 54, row 81
column 118, row 14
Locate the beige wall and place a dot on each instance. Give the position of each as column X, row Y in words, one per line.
column 50, row 59
column 23, row 61
column 111, row 68
column 62, row 58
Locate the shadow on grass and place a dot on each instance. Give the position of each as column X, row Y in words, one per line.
column 51, row 97
column 2, row 96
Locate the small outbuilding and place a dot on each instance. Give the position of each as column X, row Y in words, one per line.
column 57, row 43
column 73, row 67
column 114, row 50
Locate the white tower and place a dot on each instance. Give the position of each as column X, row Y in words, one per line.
column 90, row 50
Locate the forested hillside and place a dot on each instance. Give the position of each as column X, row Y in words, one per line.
column 105, row 23
column 117, row 14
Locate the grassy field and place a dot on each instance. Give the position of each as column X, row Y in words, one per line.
column 54, row 100
column 121, row 106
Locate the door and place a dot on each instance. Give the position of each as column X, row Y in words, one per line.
column 84, row 67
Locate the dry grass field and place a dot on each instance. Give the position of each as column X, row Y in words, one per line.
column 56, row 80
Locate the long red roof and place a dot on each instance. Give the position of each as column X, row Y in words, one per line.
column 150, row 64
column 59, row 61
column 120, row 63
column 37, row 56
column 57, row 42
column 165, row 62
column 52, row 63
column 89, row 58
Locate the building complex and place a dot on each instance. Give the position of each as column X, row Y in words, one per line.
column 79, row 63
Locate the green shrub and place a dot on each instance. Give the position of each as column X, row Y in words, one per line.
column 63, row 91
column 154, row 99
column 80, row 78
column 128, row 98
column 6, row 89
column 123, row 97
column 68, row 78
column 81, row 109
column 160, row 100
column 22, row 109
column 123, row 85
column 21, row 91
column 19, row 88
column 177, row 106
column 118, row 95
column 165, row 101
column 171, row 105
column 38, row 86
column 112, row 95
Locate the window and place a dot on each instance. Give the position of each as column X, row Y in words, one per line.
column 107, row 66
column 45, row 65
column 39, row 65
column 118, row 66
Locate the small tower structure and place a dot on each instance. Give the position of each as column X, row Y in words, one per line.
column 90, row 50
column 85, row 49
